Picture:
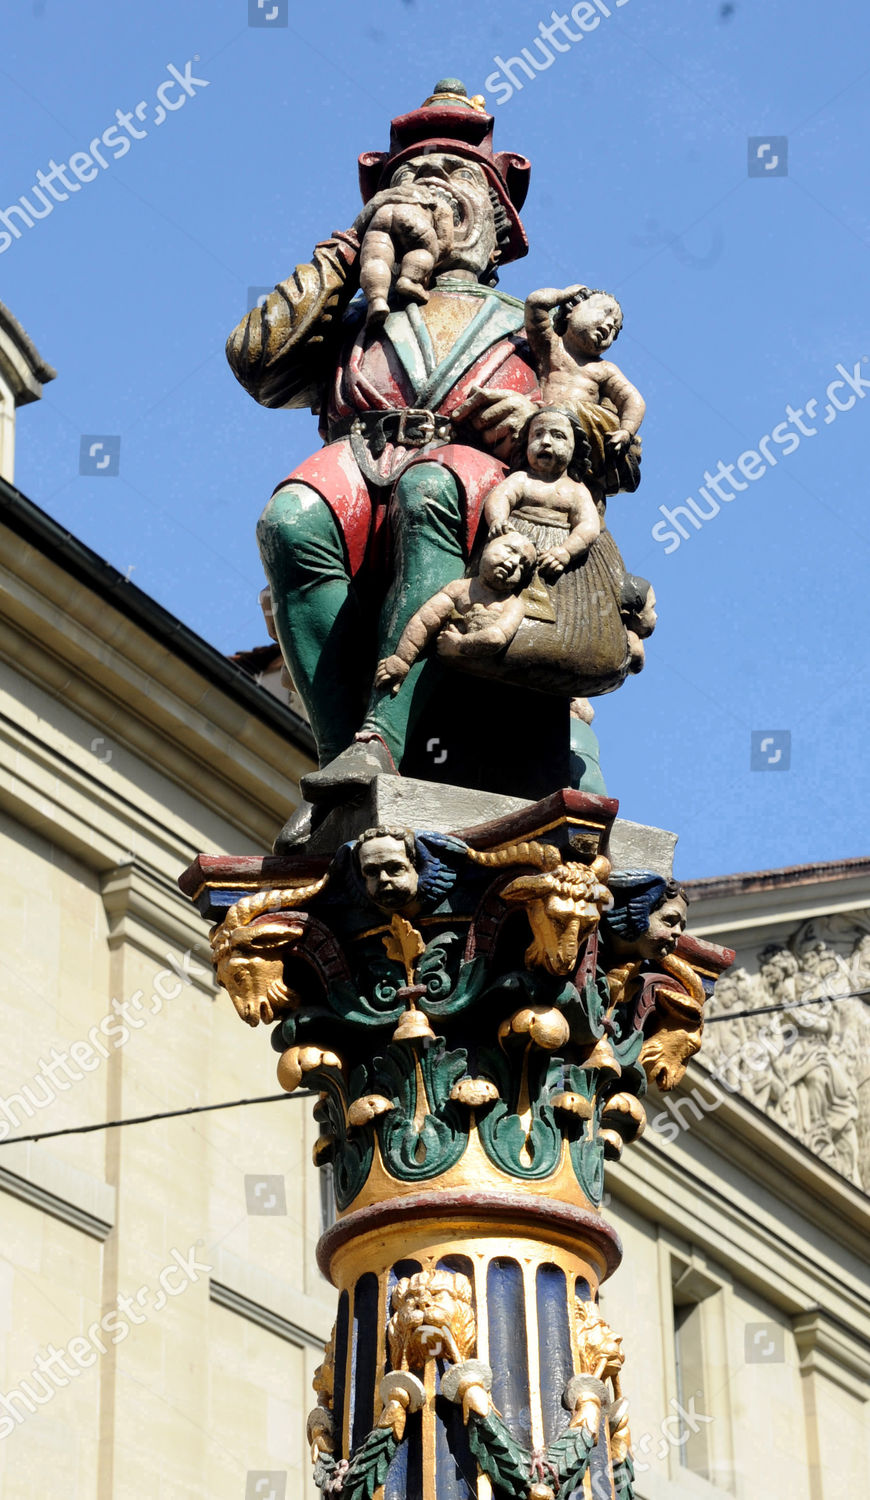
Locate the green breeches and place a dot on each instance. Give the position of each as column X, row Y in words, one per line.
column 330, row 640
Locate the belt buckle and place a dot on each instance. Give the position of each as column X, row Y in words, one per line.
column 416, row 427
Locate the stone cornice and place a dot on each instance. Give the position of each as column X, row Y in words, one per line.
column 79, row 563
column 21, row 365
column 143, row 910
column 755, row 881
column 743, row 1132
column 826, row 1346
column 746, row 908
column 30, row 1172
column 270, row 1301
column 783, row 1198
column 264, row 1317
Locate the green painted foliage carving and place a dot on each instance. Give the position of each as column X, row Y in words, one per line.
column 351, row 1154
column 504, row 1460
column 414, row 1152
column 587, row 1158
column 369, row 1465
column 623, row 1480
column 569, row 1455
column 529, row 1150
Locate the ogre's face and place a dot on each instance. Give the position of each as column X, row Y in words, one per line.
column 465, row 183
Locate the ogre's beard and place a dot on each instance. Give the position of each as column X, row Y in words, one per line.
column 474, row 238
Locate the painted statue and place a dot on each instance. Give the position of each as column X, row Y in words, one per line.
column 429, row 384
column 479, row 1012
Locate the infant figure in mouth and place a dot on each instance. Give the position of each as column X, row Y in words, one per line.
column 420, row 232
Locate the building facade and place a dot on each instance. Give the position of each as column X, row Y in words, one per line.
column 162, row 1311
column 745, row 1290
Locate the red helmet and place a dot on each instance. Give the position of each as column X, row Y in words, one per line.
column 450, row 121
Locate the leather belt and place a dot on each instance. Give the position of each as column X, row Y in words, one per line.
column 406, row 427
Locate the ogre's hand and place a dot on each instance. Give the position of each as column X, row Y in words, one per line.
column 391, row 673
column 496, row 414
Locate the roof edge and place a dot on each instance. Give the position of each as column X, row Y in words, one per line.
column 750, row 882
column 48, row 537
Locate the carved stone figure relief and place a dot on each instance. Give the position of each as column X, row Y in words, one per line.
column 814, row 1075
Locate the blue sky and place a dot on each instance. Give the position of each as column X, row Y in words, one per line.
column 741, row 294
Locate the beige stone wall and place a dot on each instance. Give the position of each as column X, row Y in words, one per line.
column 746, row 1263
column 113, row 777
column 195, row 1386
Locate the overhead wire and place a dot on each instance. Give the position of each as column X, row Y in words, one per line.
column 766, row 1010
column 202, row 1109
column 168, row 1114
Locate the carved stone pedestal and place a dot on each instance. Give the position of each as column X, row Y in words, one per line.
column 480, row 1013
column 483, row 1294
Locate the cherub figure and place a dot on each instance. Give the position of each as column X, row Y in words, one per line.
column 548, row 492
column 648, row 916
column 387, row 862
column 422, row 231
column 470, row 617
column 568, row 350
column 638, row 611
